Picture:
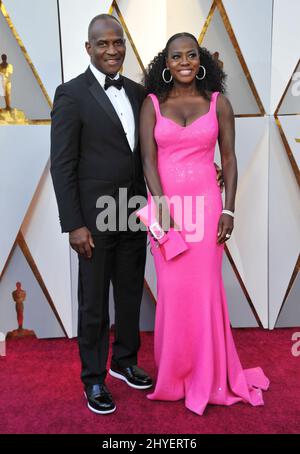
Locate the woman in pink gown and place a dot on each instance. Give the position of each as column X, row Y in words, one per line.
column 183, row 116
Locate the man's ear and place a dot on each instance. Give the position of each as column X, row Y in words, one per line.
column 88, row 47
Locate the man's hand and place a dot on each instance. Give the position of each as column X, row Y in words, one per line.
column 220, row 179
column 81, row 241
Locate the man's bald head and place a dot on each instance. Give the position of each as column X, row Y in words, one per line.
column 101, row 18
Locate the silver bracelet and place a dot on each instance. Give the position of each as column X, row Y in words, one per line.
column 231, row 213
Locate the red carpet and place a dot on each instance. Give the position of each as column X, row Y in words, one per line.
column 40, row 392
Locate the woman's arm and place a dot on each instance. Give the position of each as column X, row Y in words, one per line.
column 149, row 157
column 148, row 147
column 229, row 165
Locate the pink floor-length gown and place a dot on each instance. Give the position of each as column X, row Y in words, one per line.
column 194, row 348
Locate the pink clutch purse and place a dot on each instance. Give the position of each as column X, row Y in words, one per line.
column 171, row 243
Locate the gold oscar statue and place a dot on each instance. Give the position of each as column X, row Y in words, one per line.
column 9, row 114
column 19, row 296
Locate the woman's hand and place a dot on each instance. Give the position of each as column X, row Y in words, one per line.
column 165, row 219
column 225, row 228
column 220, row 178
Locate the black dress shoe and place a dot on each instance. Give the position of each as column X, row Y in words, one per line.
column 132, row 375
column 99, row 399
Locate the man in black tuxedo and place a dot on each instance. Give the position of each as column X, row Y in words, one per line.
column 94, row 152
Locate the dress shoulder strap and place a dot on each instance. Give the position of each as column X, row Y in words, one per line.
column 213, row 101
column 155, row 104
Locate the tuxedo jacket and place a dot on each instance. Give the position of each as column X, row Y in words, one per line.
column 90, row 154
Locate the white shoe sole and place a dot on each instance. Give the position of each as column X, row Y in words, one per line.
column 98, row 411
column 121, row 377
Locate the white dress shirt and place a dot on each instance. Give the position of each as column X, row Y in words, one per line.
column 121, row 104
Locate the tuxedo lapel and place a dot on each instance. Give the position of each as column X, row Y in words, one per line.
column 103, row 100
column 130, row 92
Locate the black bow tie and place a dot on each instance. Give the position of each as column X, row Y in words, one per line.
column 118, row 83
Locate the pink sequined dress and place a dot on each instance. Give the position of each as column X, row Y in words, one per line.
column 194, row 348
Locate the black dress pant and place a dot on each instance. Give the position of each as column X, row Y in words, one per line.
column 118, row 257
